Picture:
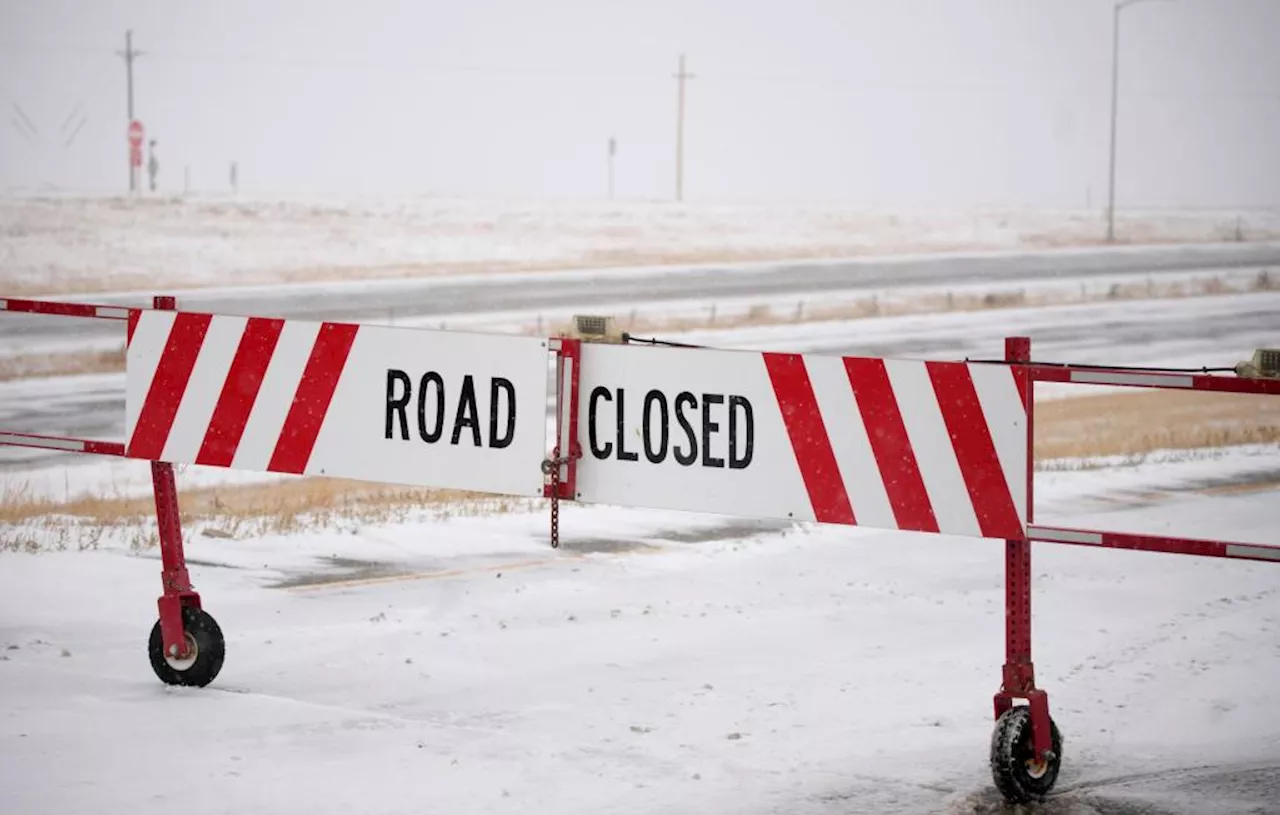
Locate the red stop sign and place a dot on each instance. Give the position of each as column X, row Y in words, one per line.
column 135, row 143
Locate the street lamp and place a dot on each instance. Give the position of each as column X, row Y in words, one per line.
column 1120, row 6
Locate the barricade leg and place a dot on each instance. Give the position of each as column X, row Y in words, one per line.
column 178, row 591
column 1026, row 746
column 186, row 646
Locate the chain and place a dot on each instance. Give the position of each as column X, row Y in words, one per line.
column 551, row 467
column 555, row 500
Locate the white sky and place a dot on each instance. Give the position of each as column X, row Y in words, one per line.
column 879, row 103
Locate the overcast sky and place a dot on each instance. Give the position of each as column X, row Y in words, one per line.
column 879, row 103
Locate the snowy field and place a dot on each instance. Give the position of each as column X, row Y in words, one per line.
column 657, row 663
column 67, row 243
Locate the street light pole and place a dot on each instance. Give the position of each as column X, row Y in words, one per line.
column 1120, row 6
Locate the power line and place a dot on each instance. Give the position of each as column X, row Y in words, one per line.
column 76, row 132
column 41, row 47
column 26, row 120
column 405, row 66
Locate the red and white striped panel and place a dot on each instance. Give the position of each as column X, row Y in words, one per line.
column 893, row 444
column 290, row 396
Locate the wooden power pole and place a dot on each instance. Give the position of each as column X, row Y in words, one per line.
column 680, row 77
column 130, row 55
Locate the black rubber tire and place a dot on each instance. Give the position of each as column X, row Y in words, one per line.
column 1011, row 749
column 203, row 632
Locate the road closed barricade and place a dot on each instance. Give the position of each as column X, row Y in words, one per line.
column 892, row 444
column 426, row 408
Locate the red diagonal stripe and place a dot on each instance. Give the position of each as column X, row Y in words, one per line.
column 975, row 450
column 173, row 371
column 809, row 438
column 239, row 392
column 132, row 326
column 891, row 445
column 1022, row 378
column 311, row 401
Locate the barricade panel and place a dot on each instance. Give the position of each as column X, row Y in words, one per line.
column 399, row 405
column 893, row 444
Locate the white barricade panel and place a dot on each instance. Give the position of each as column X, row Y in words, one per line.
column 894, row 444
column 399, row 405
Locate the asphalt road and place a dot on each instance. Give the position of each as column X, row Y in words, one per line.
column 1178, row 332
column 475, row 295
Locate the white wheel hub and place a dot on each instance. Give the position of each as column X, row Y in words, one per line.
column 185, row 663
column 1037, row 769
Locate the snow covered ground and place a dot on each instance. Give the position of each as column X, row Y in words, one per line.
column 657, row 663
column 68, row 243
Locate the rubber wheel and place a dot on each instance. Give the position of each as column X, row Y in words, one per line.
column 1018, row 776
column 204, row 637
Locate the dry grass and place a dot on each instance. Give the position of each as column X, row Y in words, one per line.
column 280, row 507
column 1137, row 423
column 23, row 366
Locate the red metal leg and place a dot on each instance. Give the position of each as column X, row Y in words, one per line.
column 1019, row 676
column 173, row 562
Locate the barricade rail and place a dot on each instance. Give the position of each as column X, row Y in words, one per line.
column 921, row 446
column 1021, row 775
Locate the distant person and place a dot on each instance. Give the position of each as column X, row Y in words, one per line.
column 153, row 164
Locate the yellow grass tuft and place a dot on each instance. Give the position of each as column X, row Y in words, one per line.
column 23, row 366
column 276, row 507
column 1129, row 424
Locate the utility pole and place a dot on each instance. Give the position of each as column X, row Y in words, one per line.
column 613, row 150
column 680, row 77
column 1115, row 105
column 129, row 55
